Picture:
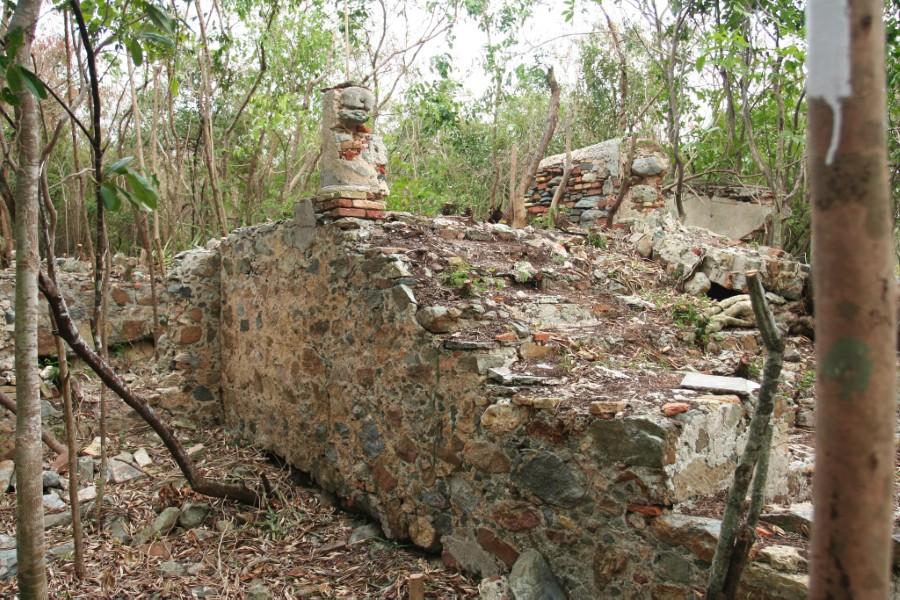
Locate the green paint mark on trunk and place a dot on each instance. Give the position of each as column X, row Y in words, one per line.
column 848, row 364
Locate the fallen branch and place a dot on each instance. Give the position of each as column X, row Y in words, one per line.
column 730, row 557
column 195, row 479
column 49, row 439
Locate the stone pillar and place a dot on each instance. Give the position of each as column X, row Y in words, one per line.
column 352, row 181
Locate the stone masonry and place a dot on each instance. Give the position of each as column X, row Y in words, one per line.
column 331, row 355
column 597, row 175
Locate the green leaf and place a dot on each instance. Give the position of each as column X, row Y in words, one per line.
column 142, row 189
column 14, row 41
column 173, row 86
column 33, row 84
column 160, row 18
column 135, row 50
column 119, row 167
column 9, row 97
column 14, row 78
column 158, row 39
column 110, row 194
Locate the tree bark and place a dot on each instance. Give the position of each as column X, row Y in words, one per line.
column 46, row 436
column 518, row 209
column 733, row 550
column 32, row 570
column 854, row 291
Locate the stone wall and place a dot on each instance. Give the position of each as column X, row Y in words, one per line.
column 130, row 306
column 596, row 177
column 329, row 359
column 189, row 343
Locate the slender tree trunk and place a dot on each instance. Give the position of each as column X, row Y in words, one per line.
column 855, row 302
column 209, row 152
column 567, row 172
column 519, row 216
column 48, row 226
column 32, row 573
column 141, row 218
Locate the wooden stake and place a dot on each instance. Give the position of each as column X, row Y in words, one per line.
column 415, row 586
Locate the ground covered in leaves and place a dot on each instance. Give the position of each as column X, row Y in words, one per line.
column 299, row 546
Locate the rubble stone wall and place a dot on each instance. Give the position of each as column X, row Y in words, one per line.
column 130, row 307
column 189, row 344
column 325, row 360
column 596, row 177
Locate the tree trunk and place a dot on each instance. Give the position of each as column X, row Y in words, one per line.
column 855, row 302
column 518, row 209
column 32, row 573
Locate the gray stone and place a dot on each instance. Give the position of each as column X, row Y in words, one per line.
column 120, row 472
column 588, row 202
column 532, row 579
column 166, row 520
column 87, row 494
column 697, row 285
column 719, row 384
column 371, row 440
column 118, row 530
column 633, row 442
column 50, row 479
column 786, row 559
column 85, row 468
column 506, row 377
column 173, row 568
column 435, row 319
column 7, row 468
column 493, row 588
column 7, row 541
column 646, row 166
column 8, row 564
column 644, row 194
column 258, row 591
column 53, row 502
column 48, row 411
column 358, row 98
column 588, row 217
column 551, row 479
column 192, row 515
column 304, row 214
column 365, row 532
column 142, row 458
column 57, row 519
column 469, row 345
column 63, row 549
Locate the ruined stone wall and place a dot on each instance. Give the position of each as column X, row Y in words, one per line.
column 189, row 344
column 130, row 307
column 596, row 177
column 329, row 360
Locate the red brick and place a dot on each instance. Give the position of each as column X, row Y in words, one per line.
column 369, row 204
column 537, row 210
column 645, row 509
column 516, row 516
column 347, row 212
column 490, row 542
column 375, row 214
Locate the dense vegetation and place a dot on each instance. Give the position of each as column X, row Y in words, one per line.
column 218, row 101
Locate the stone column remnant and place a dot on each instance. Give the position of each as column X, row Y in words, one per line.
column 353, row 158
